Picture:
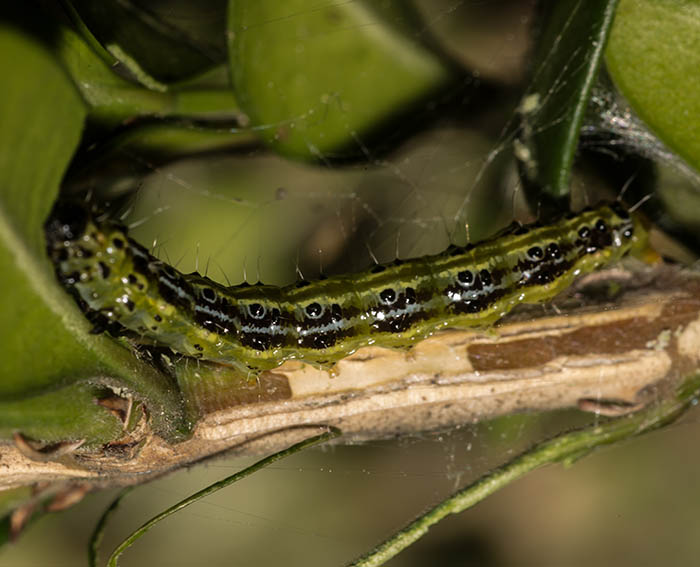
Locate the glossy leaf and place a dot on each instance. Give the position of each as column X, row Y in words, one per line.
column 318, row 78
column 111, row 97
column 565, row 66
column 654, row 59
column 114, row 99
column 157, row 41
column 45, row 339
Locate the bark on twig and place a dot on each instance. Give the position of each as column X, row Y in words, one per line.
column 615, row 343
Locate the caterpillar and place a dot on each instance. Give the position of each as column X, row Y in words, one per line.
column 124, row 289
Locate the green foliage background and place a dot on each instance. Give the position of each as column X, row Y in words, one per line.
column 161, row 80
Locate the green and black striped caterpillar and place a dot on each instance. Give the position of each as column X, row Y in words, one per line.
column 124, row 288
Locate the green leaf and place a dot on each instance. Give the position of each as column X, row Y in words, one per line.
column 170, row 141
column 565, row 66
column 45, row 340
column 315, row 77
column 66, row 414
column 654, row 59
column 114, row 99
column 158, row 41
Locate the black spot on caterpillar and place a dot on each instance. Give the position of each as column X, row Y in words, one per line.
column 122, row 287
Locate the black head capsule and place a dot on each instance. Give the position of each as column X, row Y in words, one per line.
column 67, row 221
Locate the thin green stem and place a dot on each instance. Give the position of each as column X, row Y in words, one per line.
column 564, row 448
column 331, row 432
column 98, row 532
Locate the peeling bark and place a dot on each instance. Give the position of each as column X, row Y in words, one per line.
column 616, row 342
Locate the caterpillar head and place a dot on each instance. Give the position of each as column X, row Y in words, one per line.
column 75, row 244
column 631, row 231
column 66, row 223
